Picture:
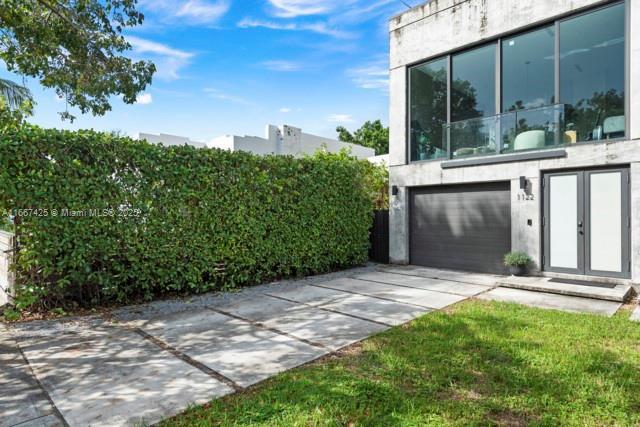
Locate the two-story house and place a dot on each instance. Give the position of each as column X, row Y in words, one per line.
column 515, row 125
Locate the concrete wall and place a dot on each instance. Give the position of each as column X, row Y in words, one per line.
column 524, row 237
column 6, row 277
column 441, row 26
column 634, row 68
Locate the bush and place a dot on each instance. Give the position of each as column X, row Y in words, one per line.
column 517, row 259
column 102, row 218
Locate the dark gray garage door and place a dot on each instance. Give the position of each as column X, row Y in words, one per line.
column 463, row 227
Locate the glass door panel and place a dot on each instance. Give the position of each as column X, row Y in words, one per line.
column 563, row 211
column 605, row 194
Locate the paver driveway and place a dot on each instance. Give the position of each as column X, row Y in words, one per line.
column 149, row 362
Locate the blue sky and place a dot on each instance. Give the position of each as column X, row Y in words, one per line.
column 232, row 66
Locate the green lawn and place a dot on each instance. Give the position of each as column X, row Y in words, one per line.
column 476, row 364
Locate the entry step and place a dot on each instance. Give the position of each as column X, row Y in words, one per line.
column 617, row 293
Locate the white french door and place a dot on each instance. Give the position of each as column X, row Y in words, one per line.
column 586, row 222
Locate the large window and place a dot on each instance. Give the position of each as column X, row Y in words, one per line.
column 473, row 96
column 428, row 110
column 559, row 84
column 473, row 84
column 528, row 70
column 592, row 74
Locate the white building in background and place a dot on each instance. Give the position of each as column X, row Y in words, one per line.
column 284, row 140
column 169, row 140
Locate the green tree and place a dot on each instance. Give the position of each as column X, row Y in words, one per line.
column 14, row 94
column 371, row 134
column 75, row 47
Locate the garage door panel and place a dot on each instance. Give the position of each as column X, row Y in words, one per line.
column 465, row 227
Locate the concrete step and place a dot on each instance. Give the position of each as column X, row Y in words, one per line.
column 619, row 293
column 551, row 301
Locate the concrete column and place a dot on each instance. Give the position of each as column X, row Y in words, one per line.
column 526, row 220
column 634, row 68
column 399, row 227
column 635, row 222
column 397, row 117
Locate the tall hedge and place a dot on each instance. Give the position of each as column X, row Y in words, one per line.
column 104, row 218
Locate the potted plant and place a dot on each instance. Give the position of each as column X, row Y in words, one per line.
column 517, row 262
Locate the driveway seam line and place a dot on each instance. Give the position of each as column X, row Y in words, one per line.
column 56, row 411
column 438, row 278
column 268, row 328
column 21, row 423
column 414, row 287
column 330, row 310
column 377, row 297
column 188, row 359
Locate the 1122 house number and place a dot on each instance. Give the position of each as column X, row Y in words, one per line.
column 525, row 196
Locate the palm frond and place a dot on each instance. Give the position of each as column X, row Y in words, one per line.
column 13, row 93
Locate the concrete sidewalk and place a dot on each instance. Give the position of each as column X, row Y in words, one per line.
column 150, row 362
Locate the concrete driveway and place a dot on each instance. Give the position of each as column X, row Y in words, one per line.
column 149, row 362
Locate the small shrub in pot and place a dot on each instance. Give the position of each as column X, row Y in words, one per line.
column 517, row 262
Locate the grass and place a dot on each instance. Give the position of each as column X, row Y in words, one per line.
column 477, row 364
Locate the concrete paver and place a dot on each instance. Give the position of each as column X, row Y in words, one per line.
column 618, row 293
column 101, row 375
column 635, row 316
column 434, row 273
column 332, row 330
column 309, row 294
column 438, row 285
column 362, row 306
column 22, row 401
column 553, row 301
column 244, row 353
column 419, row 297
column 388, row 312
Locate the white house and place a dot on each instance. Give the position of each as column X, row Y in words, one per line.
column 284, row 140
column 168, row 140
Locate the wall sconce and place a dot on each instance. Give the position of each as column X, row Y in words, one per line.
column 394, row 190
column 523, row 183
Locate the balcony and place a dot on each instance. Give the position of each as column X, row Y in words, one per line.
column 515, row 131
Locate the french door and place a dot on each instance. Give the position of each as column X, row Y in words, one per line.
column 586, row 222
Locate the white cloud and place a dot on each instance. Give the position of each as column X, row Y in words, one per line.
column 340, row 10
column 189, row 11
column 315, row 27
column 371, row 76
column 340, row 118
column 222, row 96
column 199, row 11
column 169, row 61
column 144, row 99
column 278, row 65
column 293, row 8
column 285, row 110
column 149, row 46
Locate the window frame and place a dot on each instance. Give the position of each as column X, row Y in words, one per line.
column 497, row 42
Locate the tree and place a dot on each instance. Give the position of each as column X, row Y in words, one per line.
column 75, row 47
column 371, row 134
column 14, row 94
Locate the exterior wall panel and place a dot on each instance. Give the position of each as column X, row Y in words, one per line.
column 442, row 26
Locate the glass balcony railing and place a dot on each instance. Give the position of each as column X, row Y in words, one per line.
column 532, row 129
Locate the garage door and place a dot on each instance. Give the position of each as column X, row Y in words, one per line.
column 462, row 227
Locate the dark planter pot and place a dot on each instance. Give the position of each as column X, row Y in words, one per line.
column 518, row 270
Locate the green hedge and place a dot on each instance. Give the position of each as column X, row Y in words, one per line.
column 164, row 220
